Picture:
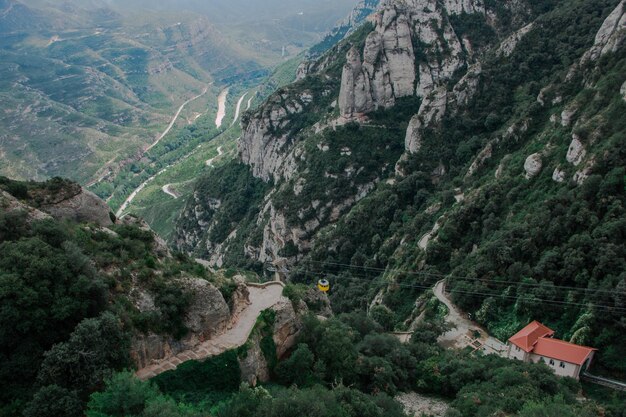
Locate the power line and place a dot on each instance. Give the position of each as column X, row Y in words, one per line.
column 559, row 302
column 457, row 277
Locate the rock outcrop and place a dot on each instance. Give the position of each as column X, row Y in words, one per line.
column 287, row 326
column 558, row 175
column 576, row 151
column 264, row 144
column 611, row 35
column 431, row 110
column 533, row 165
column 8, row 203
column 388, row 68
column 623, row 91
column 253, row 364
column 207, row 316
column 82, row 207
column 508, row 45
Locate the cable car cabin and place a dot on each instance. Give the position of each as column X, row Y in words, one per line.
column 323, row 285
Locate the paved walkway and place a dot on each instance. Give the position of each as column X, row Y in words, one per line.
column 464, row 333
column 261, row 298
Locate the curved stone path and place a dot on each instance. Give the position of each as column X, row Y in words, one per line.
column 262, row 297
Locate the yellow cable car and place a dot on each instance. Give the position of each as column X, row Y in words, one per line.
column 323, row 285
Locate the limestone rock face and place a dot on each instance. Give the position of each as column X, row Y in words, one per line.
column 558, row 175
column 387, row 68
column 286, row 327
column 568, row 114
column 84, row 206
column 466, row 88
column 623, row 91
column 355, row 96
column 431, row 110
column 264, row 144
column 576, row 151
column 254, row 368
column 533, row 165
column 208, row 314
column 303, row 70
column 508, row 45
column 611, row 35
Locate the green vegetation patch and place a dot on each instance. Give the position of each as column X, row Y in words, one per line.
column 193, row 381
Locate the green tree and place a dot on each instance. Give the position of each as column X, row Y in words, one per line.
column 298, row 368
column 54, row 401
column 94, row 350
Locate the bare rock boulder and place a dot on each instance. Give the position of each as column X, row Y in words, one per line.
column 208, row 314
column 558, row 175
column 533, row 165
column 83, row 207
column 576, row 151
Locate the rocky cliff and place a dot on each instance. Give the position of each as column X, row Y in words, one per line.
column 412, row 49
column 406, row 120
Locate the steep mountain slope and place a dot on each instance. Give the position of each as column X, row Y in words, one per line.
column 85, row 295
column 479, row 141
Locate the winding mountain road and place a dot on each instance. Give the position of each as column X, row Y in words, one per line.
column 220, row 152
column 167, row 189
column 261, row 298
column 238, row 108
column 180, row 109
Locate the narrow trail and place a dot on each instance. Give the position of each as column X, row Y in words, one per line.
column 249, row 103
column 221, row 108
column 132, row 196
column 461, row 336
column 168, row 190
column 180, row 109
column 209, row 162
column 423, row 242
column 261, row 298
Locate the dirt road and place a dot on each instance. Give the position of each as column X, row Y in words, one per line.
column 167, row 189
column 209, row 162
column 238, row 108
column 460, row 336
column 180, row 109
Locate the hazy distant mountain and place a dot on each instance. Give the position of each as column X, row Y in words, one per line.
column 85, row 81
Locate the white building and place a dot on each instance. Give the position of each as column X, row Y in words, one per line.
column 534, row 343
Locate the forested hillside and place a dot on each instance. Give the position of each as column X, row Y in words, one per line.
column 510, row 183
column 477, row 142
column 74, row 297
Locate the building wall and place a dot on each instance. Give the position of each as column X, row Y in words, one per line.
column 517, row 353
column 560, row 368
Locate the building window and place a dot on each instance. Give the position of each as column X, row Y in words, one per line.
column 551, row 361
column 517, row 348
column 562, row 365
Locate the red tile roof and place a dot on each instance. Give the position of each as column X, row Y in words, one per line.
column 527, row 337
column 562, row 351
